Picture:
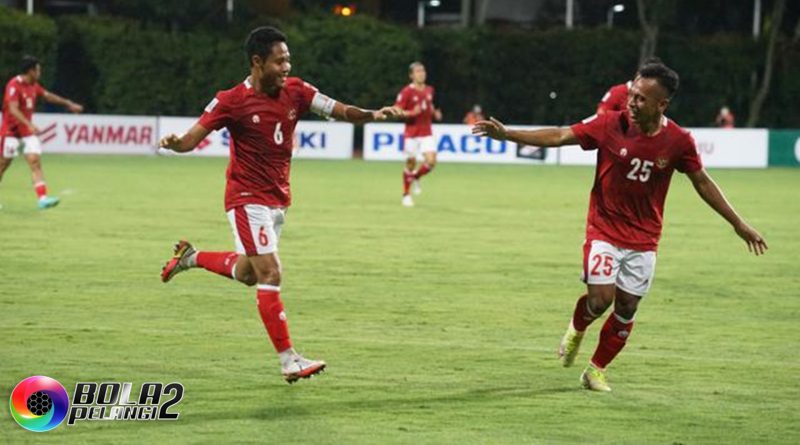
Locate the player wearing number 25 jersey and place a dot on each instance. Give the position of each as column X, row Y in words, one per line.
column 638, row 151
column 261, row 114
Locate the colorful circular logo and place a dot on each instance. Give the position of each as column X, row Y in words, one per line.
column 39, row 403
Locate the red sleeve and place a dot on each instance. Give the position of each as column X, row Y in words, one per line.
column 614, row 99
column 307, row 93
column 12, row 92
column 690, row 161
column 591, row 131
column 40, row 91
column 217, row 113
column 402, row 99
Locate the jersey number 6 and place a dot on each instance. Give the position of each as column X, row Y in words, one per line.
column 278, row 135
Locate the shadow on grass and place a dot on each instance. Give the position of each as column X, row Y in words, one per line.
column 305, row 408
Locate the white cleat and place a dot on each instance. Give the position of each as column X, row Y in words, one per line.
column 416, row 189
column 300, row 367
column 407, row 201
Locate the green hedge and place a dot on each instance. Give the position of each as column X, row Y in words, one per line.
column 117, row 66
column 22, row 34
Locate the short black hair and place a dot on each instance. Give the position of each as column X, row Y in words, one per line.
column 665, row 76
column 261, row 40
column 28, row 63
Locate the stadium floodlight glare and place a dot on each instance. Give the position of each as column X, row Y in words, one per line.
column 619, row 7
column 434, row 3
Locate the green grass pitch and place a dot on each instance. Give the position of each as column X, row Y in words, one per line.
column 439, row 323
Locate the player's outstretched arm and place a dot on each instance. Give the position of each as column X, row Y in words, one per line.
column 713, row 196
column 187, row 142
column 350, row 113
column 64, row 102
column 547, row 137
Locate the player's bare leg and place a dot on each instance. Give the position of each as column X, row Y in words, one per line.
column 408, row 178
column 39, row 186
column 613, row 338
column 4, row 164
column 267, row 269
column 587, row 309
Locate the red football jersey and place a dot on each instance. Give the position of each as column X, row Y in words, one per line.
column 262, row 131
column 632, row 177
column 25, row 94
column 408, row 99
column 616, row 98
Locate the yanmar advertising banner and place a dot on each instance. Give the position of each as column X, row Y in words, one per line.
column 312, row 139
column 96, row 134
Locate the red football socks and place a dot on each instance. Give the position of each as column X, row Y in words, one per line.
column 582, row 317
column 613, row 336
column 424, row 170
column 41, row 189
column 408, row 178
column 218, row 262
column 270, row 307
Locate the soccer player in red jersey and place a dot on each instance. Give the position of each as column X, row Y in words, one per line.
column 616, row 98
column 415, row 102
column 261, row 114
column 18, row 132
column 638, row 150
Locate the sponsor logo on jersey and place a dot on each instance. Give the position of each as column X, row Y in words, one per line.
column 256, row 119
column 623, row 152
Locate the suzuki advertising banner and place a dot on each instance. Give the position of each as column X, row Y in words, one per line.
column 312, row 139
column 97, row 134
column 454, row 143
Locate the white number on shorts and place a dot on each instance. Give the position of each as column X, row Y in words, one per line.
column 640, row 171
column 607, row 262
column 278, row 135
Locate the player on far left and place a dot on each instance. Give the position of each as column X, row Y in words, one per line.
column 18, row 132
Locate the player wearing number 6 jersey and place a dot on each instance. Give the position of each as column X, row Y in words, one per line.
column 638, row 151
column 261, row 114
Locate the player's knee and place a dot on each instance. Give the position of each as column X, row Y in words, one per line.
column 599, row 302
column 247, row 278
column 598, row 306
column 269, row 275
column 626, row 307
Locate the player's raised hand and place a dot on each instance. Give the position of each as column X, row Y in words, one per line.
column 755, row 242
column 74, row 108
column 386, row 113
column 492, row 128
column 170, row 142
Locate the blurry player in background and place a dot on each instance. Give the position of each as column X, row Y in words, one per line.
column 18, row 133
column 638, row 151
column 616, row 98
column 261, row 114
column 415, row 101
